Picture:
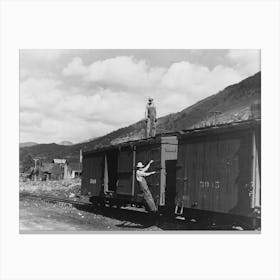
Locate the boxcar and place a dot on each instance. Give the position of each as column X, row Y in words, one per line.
column 208, row 170
column 109, row 173
column 218, row 169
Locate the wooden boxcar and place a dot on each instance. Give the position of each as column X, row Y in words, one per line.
column 218, row 169
column 109, row 173
column 208, row 170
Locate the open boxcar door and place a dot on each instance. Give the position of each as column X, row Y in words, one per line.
column 125, row 172
column 144, row 154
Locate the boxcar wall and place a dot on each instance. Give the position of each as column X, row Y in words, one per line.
column 218, row 169
column 110, row 173
column 161, row 153
column 93, row 173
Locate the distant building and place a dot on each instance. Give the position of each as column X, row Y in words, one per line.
column 75, row 169
column 58, row 169
column 59, row 161
column 46, row 171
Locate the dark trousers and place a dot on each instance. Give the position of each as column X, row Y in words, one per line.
column 150, row 127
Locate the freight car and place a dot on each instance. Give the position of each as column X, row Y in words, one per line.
column 218, row 171
column 109, row 173
column 207, row 172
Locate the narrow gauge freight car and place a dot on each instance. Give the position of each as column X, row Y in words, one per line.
column 206, row 172
column 219, row 171
column 109, row 172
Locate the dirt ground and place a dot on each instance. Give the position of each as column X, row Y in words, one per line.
column 37, row 215
column 42, row 216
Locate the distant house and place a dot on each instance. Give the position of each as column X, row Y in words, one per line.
column 63, row 163
column 56, row 172
column 58, row 169
column 47, row 173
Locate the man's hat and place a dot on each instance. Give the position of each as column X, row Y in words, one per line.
column 139, row 164
column 150, row 99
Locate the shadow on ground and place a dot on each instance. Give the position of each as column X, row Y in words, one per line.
column 140, row 220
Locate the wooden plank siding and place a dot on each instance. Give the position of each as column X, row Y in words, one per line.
column 218, row 168
column 92, row 178
column 214, row 172
column 127, row 157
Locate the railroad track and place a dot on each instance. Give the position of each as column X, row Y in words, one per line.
column 128, row 214
column 80, row 204
column 123, row 214
column 54, row 199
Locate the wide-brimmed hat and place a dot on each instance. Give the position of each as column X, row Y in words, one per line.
column 150, row 99
column 139, row 164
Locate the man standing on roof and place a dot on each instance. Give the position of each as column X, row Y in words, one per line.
column 151, row 118
column 140, row 177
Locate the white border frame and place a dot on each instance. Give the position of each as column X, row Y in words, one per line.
column 155, row 24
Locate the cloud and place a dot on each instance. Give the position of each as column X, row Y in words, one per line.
column 196, row 81
column 75, row 68
column 39, row 55
column 91, row 99
column 30, row 119
column 127, row 73
column 39, row 63
column 39, row 94
column 50, row 112
column 121, row 71
column 246, row 62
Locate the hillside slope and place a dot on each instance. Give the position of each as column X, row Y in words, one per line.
column 231, row 104
column 27, row 144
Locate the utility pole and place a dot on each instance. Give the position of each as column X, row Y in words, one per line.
column 81, row 158
column 35, row 168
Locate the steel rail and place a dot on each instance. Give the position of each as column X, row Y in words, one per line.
column 55, row 199
column 87, row 205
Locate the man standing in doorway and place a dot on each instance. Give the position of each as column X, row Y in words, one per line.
column 141, row 173
column 151, row 118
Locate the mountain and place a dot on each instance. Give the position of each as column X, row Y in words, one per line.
column 65, row 143
column 27, row 144
column 231, row 104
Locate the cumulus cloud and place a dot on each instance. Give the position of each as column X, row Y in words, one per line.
column 119, row 71
column 75, row 68
column 111, row 93
column 198, row 81
column 246, row 62
column 39, row 94
column 48, row 111
column 128, row 73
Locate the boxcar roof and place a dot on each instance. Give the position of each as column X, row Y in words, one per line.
column 146, row 141
column 219, row 128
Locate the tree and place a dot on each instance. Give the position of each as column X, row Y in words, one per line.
column 27, row 162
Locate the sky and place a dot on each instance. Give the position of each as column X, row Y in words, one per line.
column 75, row 95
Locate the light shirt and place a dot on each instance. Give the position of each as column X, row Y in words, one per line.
column 150, row 111
column 140, row 174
